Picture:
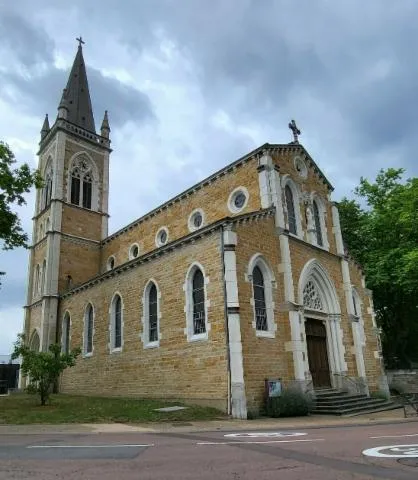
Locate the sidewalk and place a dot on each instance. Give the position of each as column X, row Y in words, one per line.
column 314, row 421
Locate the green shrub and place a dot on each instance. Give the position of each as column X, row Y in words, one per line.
column 379, row 394
column 291, row 403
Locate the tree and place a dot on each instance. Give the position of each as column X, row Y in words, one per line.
column 43, row 368
column 383, row 238
column 13, row 184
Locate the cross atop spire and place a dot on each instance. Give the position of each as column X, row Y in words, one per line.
column 80, row 41
column 295, row 131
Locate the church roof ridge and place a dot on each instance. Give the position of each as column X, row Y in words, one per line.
column 240, row 161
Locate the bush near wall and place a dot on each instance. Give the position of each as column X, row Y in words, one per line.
column 291, row 403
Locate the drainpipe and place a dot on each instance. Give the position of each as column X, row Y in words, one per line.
column 228, row 357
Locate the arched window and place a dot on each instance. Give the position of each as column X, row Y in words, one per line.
column 116, row 326
column 263, row 284
column 36, row 281
column 359, row 316
column 291, row 214
column 198, row 295
column 151, row 314
column 196, row 303
column 81, row 181
column 88, row 329
column 48, row 189
column 65, row 340
column 35, row 343
column 317, row 218
column 259, row 300
column 43, row 277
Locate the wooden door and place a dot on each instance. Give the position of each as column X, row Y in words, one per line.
column 316, row 338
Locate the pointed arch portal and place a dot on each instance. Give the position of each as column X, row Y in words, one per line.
column 321, row 312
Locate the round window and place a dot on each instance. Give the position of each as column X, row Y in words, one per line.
column 162, row 237
column 111, row 263
column 239, row 200
column 197, row 219
column 134, row 251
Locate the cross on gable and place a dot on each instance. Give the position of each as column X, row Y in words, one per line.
column 295, row 130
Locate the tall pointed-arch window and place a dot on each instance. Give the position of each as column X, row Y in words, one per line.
column 66, row 326
column 43, row 277
column 81, row 184
column 153, row 314
column 47, row 189
column 198, row 298
column 291, row 214
column 116, row 324
column 259, row 299
column 317, row 219
column 88, row 330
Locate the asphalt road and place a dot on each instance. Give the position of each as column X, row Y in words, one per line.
column 352, row 452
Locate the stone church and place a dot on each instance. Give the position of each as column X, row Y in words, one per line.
column 243, row 277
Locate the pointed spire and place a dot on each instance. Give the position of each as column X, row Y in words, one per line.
column 45, row 128
column 105, row 128
column 76, row 95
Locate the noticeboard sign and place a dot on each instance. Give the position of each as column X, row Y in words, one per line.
column 273, row 387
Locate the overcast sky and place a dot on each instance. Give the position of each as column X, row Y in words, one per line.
column 191, row 85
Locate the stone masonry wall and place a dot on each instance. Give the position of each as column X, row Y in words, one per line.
column 192, row 371
column 372, row 359
column 263, row 357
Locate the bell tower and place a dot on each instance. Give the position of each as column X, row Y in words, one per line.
column 71, row 211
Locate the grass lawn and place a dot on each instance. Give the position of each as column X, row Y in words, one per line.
column 25, row 409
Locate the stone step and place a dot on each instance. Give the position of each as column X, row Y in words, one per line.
column 345, row 401
column 338, row 395
column 369, row 407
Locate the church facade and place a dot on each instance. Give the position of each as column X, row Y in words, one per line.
column 241, row 278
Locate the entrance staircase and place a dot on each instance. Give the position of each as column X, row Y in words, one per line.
column 337, row 402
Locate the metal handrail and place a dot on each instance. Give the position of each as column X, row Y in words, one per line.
column 354, row 382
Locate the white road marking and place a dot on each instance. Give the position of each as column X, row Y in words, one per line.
column 397, row 436
column 92, row 446
column 393, row 451
column 265, row 434
column 268, row 441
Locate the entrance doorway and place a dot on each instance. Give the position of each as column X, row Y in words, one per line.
column 316, row 339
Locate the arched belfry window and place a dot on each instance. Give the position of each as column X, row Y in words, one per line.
column 259, row 299
column 48, row 189
column 290, row 206
column 317, row 219
column 81, row 183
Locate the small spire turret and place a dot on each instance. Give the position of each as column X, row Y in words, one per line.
column 63, row 106
column 105, row 128
column 45, row 128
